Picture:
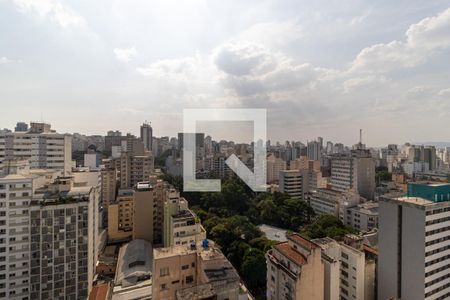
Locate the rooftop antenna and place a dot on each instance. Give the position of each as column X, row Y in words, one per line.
column 360, row 136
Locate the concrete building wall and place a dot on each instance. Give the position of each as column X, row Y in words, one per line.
column 143, row 214
column 389, row 250
column 169, row 274
column 311, row 283
column 114, row 232
column 412, row 267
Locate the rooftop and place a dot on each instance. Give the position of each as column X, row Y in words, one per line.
column 99, row 292
column 367, row 208
column 414, row 200
column 302, row 241
column 134, row 263
column 184, row 214
column 285, row 249
column 204, row 291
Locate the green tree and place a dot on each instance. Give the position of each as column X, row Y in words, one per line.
column 253, row 268
column 326, row 225
column 236, row 253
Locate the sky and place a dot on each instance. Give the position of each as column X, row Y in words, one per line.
column 320, row 68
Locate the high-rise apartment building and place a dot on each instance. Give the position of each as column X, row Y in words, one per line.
column 109, row 186
column 50, row 233
column 17, row 186
column 133, row 169
column 314, row 150
column 414, row 248
column 181, row 225
column 43, row 147
column 304, row 163
column 147, row 136
column 354, row 171
column 294, row 183
column 274, row 166
column 148, row 203
column 120, row 216
column 295, row 270
column 138, row 213
column 349, row 271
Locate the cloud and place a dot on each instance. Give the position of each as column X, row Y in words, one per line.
column 252, row 73
column 358, row 84
column 53, row 10
column 243, row 60
column 423, row 39
column 125, row 55
column 444, row 92
column 4, row 60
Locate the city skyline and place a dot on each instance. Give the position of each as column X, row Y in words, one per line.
column 320, row 69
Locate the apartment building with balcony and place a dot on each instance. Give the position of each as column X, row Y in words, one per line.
column 46, row 220
column 64, row 240
column 295, row 270
column 17, row 185
column 349, row 275
column 120, row 216
column 138, row 213
column 294, row 183
column 181, row 225
column 43, row 147
column 354, row 171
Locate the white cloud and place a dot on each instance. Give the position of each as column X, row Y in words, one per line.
column 4, row 60
column 125, row 55
column 56, row 12
column 423, row 39
column 444, row 92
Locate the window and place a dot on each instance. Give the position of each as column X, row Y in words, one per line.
column 164, row 272
column 185, row 267
column 163, row 286
column 136, row 263
column 189, row 279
